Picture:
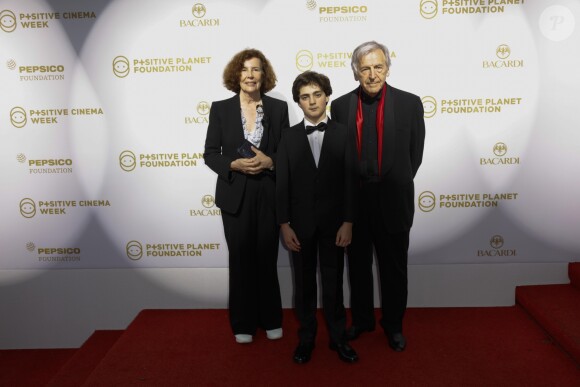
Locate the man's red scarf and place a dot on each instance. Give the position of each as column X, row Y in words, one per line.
column 380, row 120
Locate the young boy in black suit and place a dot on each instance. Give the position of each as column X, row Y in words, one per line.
column 315, row 203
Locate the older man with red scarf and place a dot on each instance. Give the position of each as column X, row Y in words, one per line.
column 390, row 133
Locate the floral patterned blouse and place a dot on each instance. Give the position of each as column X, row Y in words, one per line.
column 254, row 137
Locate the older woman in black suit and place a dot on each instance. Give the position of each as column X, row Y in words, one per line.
column 240, row 146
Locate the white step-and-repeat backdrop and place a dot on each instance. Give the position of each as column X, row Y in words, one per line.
column 104, row 110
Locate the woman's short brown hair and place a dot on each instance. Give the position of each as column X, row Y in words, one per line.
column 234, row 67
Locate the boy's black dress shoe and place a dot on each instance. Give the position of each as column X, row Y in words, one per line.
column 345, row 352
column 303, row 353
column 397, row 341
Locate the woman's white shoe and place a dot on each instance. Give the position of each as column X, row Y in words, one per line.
column 244, row 339
column 274, row 334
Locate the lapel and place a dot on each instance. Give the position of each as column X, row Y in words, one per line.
column 352, row 107
column 327, row 143
column 235, row 112
column 303, row 139
column 388, row 126
column 266, row 105
column 388, row 132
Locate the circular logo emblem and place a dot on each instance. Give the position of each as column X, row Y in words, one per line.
column 21, row 157
column 198, row 10
column 304, row 60
column 496, row 241
column 30, row 246
column 27, row 208
column 11, row 64
column 207, row 201
column 310, row 5
column 121, row 66
column 7, row 21
column 18, row 117
column 134, row 250
column 500, row 149
column 429, row 106
column 557, row 23
column 427, row 201
column 428, row 8
column 203, row 108
column 503, row 51
column 127, row 161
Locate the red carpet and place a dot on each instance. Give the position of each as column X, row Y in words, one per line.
column 31, row 367
column 447, row 347
column 80, row 366
column 556, row 308
column 509, row 346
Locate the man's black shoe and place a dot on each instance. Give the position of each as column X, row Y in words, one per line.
column 345, row 352
column 354, row 332
column 303, row 353
column 397, row 341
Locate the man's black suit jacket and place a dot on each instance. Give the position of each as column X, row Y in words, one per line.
column 225, row 134
column 403, row 141
column 308, row 196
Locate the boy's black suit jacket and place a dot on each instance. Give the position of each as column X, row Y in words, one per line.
column 311, row 197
